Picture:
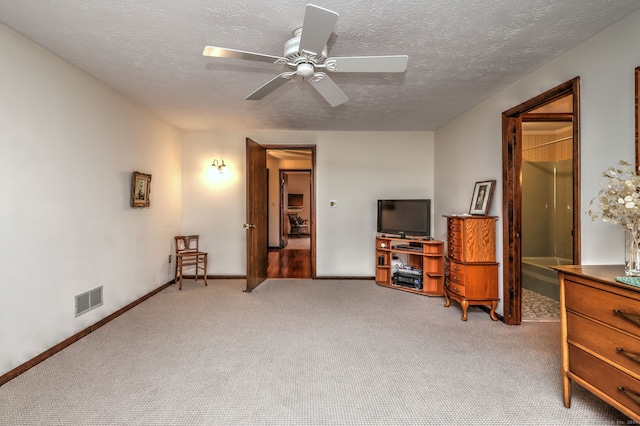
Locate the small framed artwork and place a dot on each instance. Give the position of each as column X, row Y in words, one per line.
column 140, row 189
column 481, row 200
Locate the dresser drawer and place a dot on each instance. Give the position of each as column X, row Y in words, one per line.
column 455, row 278
column 616, row 346
column 602, row 305
column 454, row 225
column 455, row 267
column 454, row 243
column 604, row 377
column 454, row 251
column 454, row 237
column 455, row 288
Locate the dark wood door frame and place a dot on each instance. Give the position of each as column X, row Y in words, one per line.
column 312, row 218
column 512, row 191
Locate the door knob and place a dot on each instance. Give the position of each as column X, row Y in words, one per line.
column 248, row 225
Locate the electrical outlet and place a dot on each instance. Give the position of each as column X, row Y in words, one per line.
column 169, row 258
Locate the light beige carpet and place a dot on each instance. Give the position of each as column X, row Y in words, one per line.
column 302, row 352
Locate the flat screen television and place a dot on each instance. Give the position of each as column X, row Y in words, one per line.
column 405, row 217
column 296, row 201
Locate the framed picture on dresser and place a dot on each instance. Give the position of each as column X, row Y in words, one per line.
column 481, row 200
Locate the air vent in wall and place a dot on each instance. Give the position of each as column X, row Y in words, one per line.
column 88, row 300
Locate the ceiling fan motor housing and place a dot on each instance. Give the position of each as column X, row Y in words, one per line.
column 292, row 51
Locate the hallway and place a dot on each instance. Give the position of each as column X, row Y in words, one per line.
column 294, row 261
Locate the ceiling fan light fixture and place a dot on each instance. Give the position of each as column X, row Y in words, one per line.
column 305, row 70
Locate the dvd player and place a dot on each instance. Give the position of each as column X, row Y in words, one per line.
column 408, row 247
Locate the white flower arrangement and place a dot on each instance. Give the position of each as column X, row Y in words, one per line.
column 619, row 201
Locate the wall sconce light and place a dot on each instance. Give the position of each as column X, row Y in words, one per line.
column 219, row 165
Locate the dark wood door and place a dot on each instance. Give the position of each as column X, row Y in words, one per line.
column 256, row 224
column 284, row 202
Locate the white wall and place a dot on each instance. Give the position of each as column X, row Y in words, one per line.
column 469, row 148
column 68, row 147
column 354, row 168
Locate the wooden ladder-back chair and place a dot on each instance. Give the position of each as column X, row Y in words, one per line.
column 188, row 254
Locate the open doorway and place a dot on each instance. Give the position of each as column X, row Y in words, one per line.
column 541, row 169
column 547, row 206
column 291, row 210
column 295, row 202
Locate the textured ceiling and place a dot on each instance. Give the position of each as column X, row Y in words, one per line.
column 460, row 53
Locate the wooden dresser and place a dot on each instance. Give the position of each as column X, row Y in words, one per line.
column 600, row 323
column 471, row 271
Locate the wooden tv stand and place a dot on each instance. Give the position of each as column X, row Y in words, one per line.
column 421, row 254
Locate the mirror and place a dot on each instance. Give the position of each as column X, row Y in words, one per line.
column 637, row 118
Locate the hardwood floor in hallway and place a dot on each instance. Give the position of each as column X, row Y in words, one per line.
column 285, row 263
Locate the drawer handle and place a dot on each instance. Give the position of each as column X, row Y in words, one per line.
column 456, row 268
column 456, row 289
column 456, row 279
column 632, row 356
column 629, row 317
column 633, row 395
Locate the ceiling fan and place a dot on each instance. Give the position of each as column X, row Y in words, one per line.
column 306, row 56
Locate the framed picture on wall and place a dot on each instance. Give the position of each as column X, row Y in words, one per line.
column 481, row 200
column 140, row 189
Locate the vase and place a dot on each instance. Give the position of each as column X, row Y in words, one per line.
column 632, row 266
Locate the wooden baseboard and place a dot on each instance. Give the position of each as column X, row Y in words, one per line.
column 12, row 374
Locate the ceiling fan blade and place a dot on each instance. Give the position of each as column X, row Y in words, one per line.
column 270, row 86
column 395, row 63
column 328, row 89
column 221, row 52
column 316, row 29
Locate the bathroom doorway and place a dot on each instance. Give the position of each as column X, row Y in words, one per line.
column 547, row 206
column 541, row 208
